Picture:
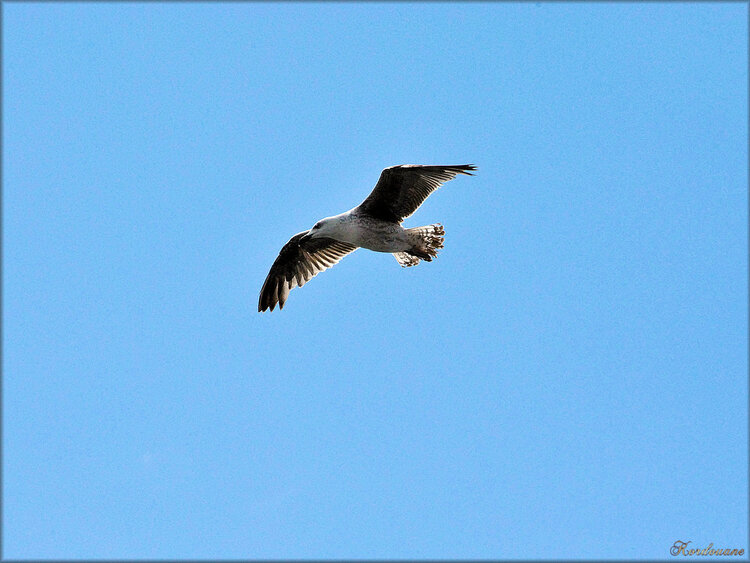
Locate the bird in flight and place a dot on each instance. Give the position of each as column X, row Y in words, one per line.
column 374, row 224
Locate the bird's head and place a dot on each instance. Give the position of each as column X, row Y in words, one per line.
column 322, row 228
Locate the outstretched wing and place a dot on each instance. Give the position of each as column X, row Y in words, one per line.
column 402, row 189
column 296, row 264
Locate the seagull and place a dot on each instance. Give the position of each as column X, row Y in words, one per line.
column 375, row 224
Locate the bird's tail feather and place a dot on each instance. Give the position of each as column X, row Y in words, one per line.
column 406, row 259
column 427, row 240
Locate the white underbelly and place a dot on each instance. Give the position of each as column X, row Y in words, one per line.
column 388, row 243
column 380, row 238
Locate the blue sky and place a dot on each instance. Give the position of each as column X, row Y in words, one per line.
column 567, row 380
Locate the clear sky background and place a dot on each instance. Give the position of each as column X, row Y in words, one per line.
column 567, row 380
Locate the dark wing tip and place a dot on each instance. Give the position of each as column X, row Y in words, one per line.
column 261, row 302
column 268, row 295
column 455, row 168
column 463, row 168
